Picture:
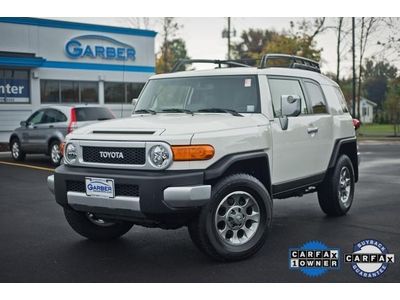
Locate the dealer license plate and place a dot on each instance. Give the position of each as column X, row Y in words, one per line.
column 100, row 187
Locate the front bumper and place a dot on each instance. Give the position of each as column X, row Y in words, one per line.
column 159, row 193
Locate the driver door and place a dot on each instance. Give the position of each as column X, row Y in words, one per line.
column 30, row 141
column 294, row 148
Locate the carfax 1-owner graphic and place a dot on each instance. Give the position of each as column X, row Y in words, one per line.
column 314, row 258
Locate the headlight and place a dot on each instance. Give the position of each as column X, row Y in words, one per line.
column 159, row 156
column 70, row 154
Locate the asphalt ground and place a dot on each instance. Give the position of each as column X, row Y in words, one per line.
column 37, row 244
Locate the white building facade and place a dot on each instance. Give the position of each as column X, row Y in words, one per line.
column 367, row 111
column 45, row 62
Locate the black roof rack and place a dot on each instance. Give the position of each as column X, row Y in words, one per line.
column 229, row 63
column 295, row 62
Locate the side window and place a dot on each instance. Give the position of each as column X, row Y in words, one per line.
column 36, row 118
column 54, row 116
column 316, row 98
column 280, row 87
column 341, row 98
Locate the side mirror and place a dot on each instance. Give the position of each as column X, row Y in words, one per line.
column 23, row 124
column 290, row 107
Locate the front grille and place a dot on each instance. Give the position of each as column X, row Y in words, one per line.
column 129, row 190
column 114, row 155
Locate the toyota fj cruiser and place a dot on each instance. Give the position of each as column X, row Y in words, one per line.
column 210, row 150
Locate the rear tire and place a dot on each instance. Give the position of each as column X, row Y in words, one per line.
column 92, row 228
column 54, row 152
column 234, row 224
column 336, row 193
column 16, row 151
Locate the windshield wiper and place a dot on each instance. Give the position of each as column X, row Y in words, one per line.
column 178, row 110
column 145, row 111
column 221, row 110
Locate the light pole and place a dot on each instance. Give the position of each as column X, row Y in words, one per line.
column 227, row 33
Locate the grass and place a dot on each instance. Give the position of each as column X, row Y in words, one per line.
column 376, row 130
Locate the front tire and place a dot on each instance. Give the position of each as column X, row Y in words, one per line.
column 16, row 151
column 336, row 193
column 93, row 228
column 235, row 223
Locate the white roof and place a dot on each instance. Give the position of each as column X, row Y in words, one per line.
column 322, row 79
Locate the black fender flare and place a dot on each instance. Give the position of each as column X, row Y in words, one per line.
column 350, row 144
column 221, row 166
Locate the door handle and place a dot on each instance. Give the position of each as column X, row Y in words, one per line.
column 312, row 130
column 51, row 126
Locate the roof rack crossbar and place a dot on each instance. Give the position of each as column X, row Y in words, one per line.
column 296, row 62
column 230, row 63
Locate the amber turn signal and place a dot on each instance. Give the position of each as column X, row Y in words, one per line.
column 194, row 152
column 62, row 145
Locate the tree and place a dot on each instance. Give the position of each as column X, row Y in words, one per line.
column 175, row 50
column 376, row 77
column 392, row 104
column 166, row 57
column 367, row 27
column 252, row 44
column 293, row 45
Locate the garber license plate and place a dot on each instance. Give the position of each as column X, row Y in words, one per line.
column 100, row 187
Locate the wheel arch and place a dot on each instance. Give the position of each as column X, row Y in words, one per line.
column 347, row 146
column 12, row 137
column 56, row 137
column 252, row 163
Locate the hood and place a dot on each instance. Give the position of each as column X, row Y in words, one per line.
column 170, row 124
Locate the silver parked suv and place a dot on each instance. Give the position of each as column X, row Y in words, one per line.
column 46, row 128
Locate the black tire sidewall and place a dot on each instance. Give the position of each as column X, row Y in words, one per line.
column 260, row 194
column 344, row 161
column 328, row 197
column 83, row 226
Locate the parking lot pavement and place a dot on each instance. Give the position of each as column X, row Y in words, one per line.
column 37, row 244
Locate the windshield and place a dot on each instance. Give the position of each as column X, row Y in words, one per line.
column 235, row 93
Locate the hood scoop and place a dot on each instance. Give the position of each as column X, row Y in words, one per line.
column 133, row 132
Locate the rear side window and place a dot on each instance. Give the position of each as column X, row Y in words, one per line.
column 341, row 98
column 282, row 86
column 317, row 98
column 53, row 116
column 93, row 114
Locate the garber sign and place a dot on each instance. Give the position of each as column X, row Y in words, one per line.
column 89, row 46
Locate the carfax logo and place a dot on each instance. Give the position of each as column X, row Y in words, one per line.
column 370, row 258
column 314, row 258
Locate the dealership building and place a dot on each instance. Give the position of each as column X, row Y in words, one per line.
column 50, row 62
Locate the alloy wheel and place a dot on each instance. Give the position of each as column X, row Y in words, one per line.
column 237, row 218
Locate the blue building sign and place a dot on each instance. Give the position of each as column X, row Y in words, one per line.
column 14, row 91
column 92, row 46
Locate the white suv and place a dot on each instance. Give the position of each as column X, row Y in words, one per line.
column 210, row 150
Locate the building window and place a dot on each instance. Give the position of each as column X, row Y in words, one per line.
column 89, row 92
column 119, row 92
column 50, row 91
column 69, row 92
column 14, row 86
column 63, row 91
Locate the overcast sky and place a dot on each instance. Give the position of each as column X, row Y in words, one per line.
column 203, row 35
